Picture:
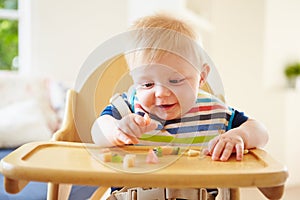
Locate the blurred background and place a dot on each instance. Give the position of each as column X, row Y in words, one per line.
column 254, row 44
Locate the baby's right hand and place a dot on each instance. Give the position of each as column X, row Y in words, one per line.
column 131, row 127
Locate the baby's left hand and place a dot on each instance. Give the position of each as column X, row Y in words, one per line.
column 221, row 147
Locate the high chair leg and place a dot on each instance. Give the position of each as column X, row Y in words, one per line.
column 58, row 191
column 52, row 191
column 234, row 194
column 98, row 194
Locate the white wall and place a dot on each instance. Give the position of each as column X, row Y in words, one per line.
column 238, row 51
column 64, row 32
column 251, row 43
column 281, row 39
column 283, row 46
column 59, row 34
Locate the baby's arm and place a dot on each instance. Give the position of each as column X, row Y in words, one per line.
column 248, row 135
column 108, row 131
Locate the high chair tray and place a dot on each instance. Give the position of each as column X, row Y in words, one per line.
column 79, row 163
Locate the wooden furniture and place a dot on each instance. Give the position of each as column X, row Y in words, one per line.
column 79, row 163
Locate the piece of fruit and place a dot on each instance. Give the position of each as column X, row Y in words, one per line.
column 116, row 158
column 106, row 156
column 129, row 160
column 151, row 157
column 192, row 153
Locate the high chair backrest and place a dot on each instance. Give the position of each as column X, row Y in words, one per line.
column 85, row 105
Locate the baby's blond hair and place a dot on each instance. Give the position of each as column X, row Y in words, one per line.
column 161, row 34
column 167, row 22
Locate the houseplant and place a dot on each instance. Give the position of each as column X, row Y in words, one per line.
column 292, row 73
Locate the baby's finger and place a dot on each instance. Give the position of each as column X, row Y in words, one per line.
column 129, row 125
column 239, row 151
column 147, row 119
column 122, row 138
column 140, row 121
column 150, row 127
column 217, row 151
column 227, row 151
column 206, row 152
column 212, row 144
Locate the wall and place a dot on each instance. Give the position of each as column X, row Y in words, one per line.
column 251, row 43
column 281, row 39
column 63, row 33
column 283, row 46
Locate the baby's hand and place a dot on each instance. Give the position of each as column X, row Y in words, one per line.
column 221, row 147
column 131, row 127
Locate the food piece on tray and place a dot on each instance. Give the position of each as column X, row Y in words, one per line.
column 169, row 150
column 246, row 151
column 166, row 150
column 176, row 150
column 192, row 153
column 129, row 160
column 116, row 158
column 106, row 156
column 151, row 157
column 158, row 151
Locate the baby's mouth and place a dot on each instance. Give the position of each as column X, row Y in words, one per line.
column 166, row 106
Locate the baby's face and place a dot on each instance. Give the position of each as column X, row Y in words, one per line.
column 168, row 87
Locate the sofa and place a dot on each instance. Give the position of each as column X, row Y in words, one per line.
column 31, row 109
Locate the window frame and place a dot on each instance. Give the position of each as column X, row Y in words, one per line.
column 11, row 14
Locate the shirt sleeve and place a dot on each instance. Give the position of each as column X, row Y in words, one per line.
column 238, row 118
column 113, row 111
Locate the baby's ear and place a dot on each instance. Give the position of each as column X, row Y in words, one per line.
column 204, row 73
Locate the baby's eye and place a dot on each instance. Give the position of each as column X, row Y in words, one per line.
column 176, row 81
column 147, row 85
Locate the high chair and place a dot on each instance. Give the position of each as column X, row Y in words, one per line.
column 114, row 75
column 66, row 160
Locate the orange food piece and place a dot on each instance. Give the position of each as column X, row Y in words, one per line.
column 106, row 157
column 167, row 150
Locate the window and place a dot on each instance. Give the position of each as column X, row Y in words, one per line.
column 8, row 34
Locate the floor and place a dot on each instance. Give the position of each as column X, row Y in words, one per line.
column 291, row 193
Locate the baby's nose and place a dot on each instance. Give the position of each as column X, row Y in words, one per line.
column 162, row 91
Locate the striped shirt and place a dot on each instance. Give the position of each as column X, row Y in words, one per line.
column 208, row 118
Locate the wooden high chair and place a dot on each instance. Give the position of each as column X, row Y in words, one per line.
column 111, row 78
column 67, row 159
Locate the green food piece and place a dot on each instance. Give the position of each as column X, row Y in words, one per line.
column 158, row 151
column 116, row 158
column 175, row 150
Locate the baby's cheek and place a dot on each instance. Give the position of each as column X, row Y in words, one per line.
column 145, row 100
column 186, row 100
